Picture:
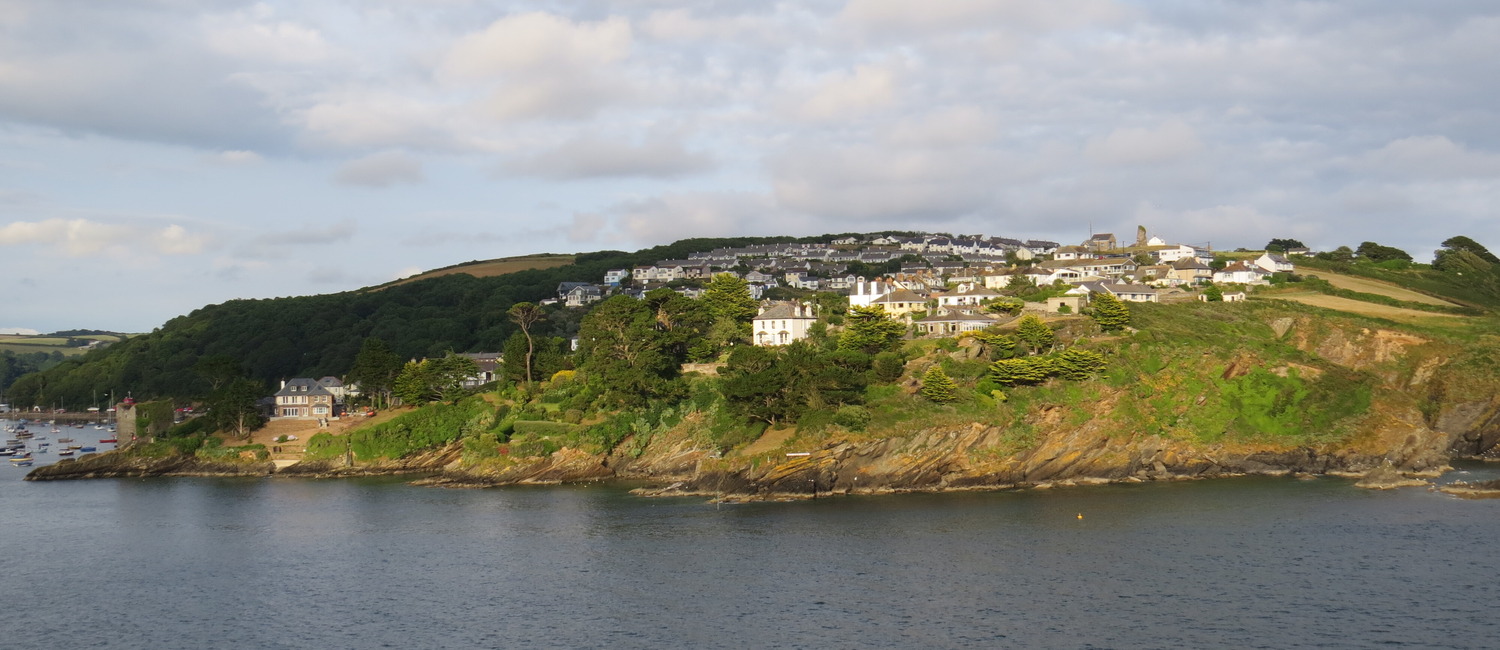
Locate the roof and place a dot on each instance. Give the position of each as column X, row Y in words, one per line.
column 950, row 315
column 782, row 311
column 1187, row 263
column 303, row 386
column 1241, row 266
column 899, row 295
column 1103, row 236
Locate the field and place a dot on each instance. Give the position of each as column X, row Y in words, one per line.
column 1366, row 285
column 21, row 344
column 491, row 268
column 1363, row 308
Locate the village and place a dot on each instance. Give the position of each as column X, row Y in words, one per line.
column 945, row 285
column 935, row 285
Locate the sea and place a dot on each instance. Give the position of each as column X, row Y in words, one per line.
column 1253, row 562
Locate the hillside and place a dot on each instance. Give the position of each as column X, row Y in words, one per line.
column 274, row 339
column 493, row 268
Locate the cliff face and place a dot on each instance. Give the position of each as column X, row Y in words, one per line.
column 1415, row 422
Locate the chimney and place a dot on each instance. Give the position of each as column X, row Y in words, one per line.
column 283, row 384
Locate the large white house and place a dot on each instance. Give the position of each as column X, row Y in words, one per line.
column 783, row 322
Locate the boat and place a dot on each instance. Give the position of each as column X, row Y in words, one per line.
column 65, row 440
column 65, row 452
column 21, row 462
column 75, row 446
column 109, row 441
column 86, row 450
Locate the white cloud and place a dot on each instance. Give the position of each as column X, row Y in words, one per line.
column 595, row 157
column 237, row 158
column 1429, row 157
column 536, row 42
column 83, row 237
column 885, row 184
column 381, row 170
column 902, row 17
column 253, row 34
column 849, row 95
column 1174, row 140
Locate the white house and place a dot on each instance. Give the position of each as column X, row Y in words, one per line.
column 614, row 277
column 967, row 295
column 1242, row 273
column 1274, row 263
column 783, row 322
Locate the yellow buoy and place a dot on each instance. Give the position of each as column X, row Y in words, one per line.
column 1080, row 515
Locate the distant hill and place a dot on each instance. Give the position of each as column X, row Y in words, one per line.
column 492, row 268
column 460, row 308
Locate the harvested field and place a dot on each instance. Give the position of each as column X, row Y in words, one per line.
column 1366, row 285
column 1361, row 307
column 493, row 268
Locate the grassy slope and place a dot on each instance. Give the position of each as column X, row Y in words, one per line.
column 492, row 268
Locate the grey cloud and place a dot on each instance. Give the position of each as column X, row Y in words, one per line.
column 381, row 170
column 596, row 157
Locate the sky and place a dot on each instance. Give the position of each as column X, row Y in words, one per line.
column 160, row 155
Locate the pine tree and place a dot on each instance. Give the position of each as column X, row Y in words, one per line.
column 1110, row 312
column 1023, row 371
column 1035, row 333
column 938, row 386
column 1077, row 364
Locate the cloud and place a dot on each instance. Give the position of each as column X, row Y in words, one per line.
column 1429, row 157
column 884, row 184
column 381, row 170
column 678, row 215
column 848, row 95
column 253, row 34
column 83, row 237
column 899, row 17
column 539, row 65
column 334, row 233
column 1174, row 140
column 236, row 158
column 536, row 42
column 598, row 157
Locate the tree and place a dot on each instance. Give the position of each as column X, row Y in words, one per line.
column 446, row 376
column 622, row 351
column 1078, row 364
column 1283, row 245
column 525, row 315
column 728, row 296
column 1109, row 312
column 938, row 386
column 234, row 406
column 1034, row 333
column 218, row 370
column 1377, row 253
column 375, row 370
column 755, row 385
column 994, row 345
column 412, row 385
column 1022, row 371
column 1213, row 294
column 1461, row 254
column 869, row 330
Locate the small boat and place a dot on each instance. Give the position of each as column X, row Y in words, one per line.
column 7, row 452
column 21, row 463
column 65, row 440
column 75, row 446
column 85, row 450
column 65, row 452
column 109, row 441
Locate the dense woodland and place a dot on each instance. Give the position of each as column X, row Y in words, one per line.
column 315, row 336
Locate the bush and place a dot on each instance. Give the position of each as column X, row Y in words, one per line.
column 853, row 418
column 888, row 367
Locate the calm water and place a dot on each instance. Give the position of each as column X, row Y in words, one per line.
column 286, row 563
